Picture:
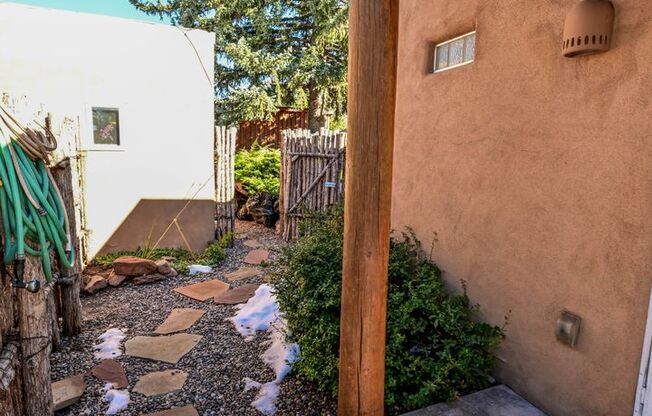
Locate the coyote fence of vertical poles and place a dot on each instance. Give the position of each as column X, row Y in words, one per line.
column 312, row 175
column 225, row 144
column 373, row 35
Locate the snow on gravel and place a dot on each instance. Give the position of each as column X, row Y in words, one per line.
column 110, row 346
column 262, row 313
column 118, row 399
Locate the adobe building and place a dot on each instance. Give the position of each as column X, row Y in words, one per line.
column 535, row 171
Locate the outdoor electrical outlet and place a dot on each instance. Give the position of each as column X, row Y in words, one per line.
column 568, row 328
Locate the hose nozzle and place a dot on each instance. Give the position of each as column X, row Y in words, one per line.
column 32, row 286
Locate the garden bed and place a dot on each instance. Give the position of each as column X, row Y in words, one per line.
column 217, row 365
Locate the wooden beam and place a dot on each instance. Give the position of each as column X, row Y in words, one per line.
column 373, row 37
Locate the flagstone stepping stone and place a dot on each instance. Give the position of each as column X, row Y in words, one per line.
column 169, row 348
column 163, row 382
column 204, row 290
column 179, row 411
column 179, row 320
column 243, row 273
column 253, row 244
column 240, row 294
column 66, row 392
column 110, row 371
column 256, row 257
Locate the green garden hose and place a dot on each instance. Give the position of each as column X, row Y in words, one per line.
column 34, row 218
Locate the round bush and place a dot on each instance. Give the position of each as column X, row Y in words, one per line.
column 435, row 350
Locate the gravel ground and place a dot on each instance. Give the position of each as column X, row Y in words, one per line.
column 216, row 366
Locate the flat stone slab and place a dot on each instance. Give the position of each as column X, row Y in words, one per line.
column 169, row 348
column 179, row 320
column 204, row 290
column 240, row 294
column 179, row 411
column 253, row 244
column 111, row 371
column 256, row 257
column 163, row 382
column 243, row 273
column 495, row 401
column 66, row 392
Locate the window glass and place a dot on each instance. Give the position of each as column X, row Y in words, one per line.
column 455, row 52
column 106, row 126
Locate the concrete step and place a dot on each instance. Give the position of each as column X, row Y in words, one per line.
column 495, row 401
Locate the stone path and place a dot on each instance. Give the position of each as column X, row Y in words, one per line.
column 182, row 357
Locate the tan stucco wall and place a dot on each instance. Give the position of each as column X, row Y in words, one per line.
column 536, row 173
column 153, row 220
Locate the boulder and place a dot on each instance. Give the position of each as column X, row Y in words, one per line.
column 134, row 266
column 95, row 284
column 150, row 278
column 163, row 267
column 173, row 273
column 116, row 280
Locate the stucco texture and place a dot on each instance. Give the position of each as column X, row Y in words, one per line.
column 535, row 172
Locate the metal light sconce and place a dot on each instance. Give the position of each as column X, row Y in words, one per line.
column 588, row 28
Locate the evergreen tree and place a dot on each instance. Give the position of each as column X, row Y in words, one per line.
column 270, row 53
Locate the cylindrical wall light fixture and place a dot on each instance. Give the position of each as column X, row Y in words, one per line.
column 588, row 28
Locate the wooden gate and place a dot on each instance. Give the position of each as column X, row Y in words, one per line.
column 312, row 175
column 225, row 141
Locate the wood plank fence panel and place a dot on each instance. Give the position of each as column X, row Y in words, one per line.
column 312, row 175
column 225, row 145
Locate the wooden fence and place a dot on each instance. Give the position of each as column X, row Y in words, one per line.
column 225, row 144
column 270, row 133
column 312, row 175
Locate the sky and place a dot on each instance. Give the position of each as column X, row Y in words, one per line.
column 119, row 8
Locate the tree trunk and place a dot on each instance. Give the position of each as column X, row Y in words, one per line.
column 315, row 117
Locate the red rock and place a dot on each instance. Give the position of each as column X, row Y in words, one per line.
column 110, row 371
column 240, row 294
column 95, row 284
column 116, row 280
column 256, row 257
column 163, row 267
column 134, row 266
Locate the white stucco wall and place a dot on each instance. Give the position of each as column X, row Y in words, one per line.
column 72, row 62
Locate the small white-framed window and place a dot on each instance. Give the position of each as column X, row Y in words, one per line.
column 106, row 126
column 455, row 52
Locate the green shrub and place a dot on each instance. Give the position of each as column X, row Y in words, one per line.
column 259, row 169
column 435, row 350
column 212, row 256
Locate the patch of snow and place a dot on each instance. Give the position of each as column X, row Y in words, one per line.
column 198, row 268
column 118, row 399
column 110, row 346
column 262, row 313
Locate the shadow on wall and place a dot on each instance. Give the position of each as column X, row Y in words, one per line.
column 153, row 219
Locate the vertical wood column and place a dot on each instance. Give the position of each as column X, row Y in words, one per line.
column 35, row 342
column 71, row 308
column 373, row 43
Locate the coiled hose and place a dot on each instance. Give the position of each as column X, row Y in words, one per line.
column 34, row 217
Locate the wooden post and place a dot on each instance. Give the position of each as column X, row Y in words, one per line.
column 71, row 308
column 35, row 342
column 373, row 36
